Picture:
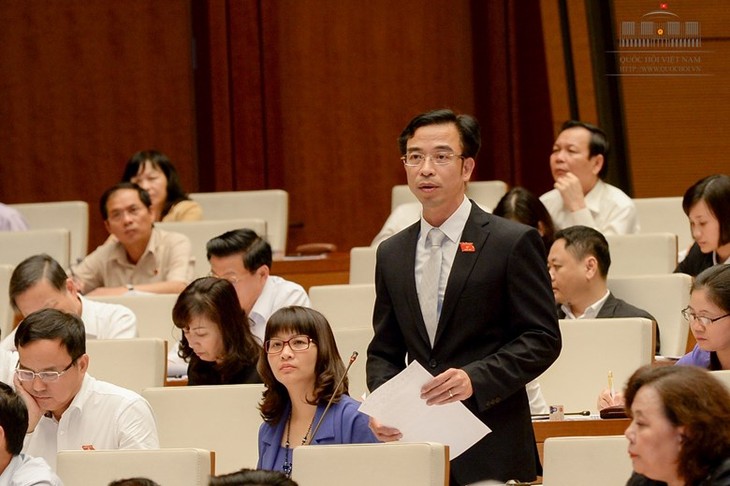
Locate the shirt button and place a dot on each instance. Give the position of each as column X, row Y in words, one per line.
column 433, row 363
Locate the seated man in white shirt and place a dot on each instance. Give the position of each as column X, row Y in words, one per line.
column 39, row 282
column 244, row 258
column 17, row 468
column 67, row 408
column 139, row 256
column 578, row 163
column 578, row 264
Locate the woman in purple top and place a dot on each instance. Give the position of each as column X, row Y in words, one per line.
column 301, row 368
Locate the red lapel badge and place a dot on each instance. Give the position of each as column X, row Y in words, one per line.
column 467, row 247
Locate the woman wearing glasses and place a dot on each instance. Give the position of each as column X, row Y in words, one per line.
column 301, row 368
column 708, row 314
column 217, row 341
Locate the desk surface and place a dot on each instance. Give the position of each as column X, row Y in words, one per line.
column 332, row 268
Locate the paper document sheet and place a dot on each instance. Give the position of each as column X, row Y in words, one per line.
column 398, row 403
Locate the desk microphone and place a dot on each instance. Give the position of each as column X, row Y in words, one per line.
column 334, row 393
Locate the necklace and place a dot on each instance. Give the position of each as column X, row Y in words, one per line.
column 288, row 466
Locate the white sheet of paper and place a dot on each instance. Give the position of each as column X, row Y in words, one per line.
column 398, row 403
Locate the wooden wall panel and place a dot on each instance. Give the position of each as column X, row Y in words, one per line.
column 86, row 83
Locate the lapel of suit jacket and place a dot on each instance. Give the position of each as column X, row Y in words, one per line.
column 608, row 308
column 475, row 231
column 408, row 257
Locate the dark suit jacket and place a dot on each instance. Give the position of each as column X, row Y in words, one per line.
column 498, row 323
column 695, row 261
column 614, row 307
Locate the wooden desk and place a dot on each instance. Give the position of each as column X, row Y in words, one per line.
column 571, row 428
column 334, row 268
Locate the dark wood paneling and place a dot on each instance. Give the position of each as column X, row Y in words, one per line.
column 86, row 83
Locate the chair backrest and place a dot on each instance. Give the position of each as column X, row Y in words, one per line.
column 349, row 340
column 642, row 254
column 392, row 464
column 271, row 205
column 362, row 265
column 134, row 364
column 664, row 297
column 6, row 310
column 200, row 232
column 154, row 314
column 577, row 461
column 345, row 306
column 221, row 418
column 70, row 215
column 18, row 245
column 181, row 467
column 486, row 193
column 723, row 376
column 664, row 214
column 592, row 348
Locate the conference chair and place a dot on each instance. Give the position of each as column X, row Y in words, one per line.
column 578, row 461
column 664, row 214
column 18, row 245
column 271, row 205
column 221, row 418
column 179, row 466
column 722, row 376
column 6, row 310
column 154, row 314
column 200, row 232
column 664, row 297
column 345, row 306
column 134, row 364
column 70, row 215
column 362, row 265
column 485, row 193
column 642, row 254
column 392, row 464
column 592, row 348
column 349, row 340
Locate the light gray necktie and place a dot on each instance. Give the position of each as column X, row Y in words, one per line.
column 430, row 277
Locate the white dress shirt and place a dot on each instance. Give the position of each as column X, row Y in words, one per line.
column 25, row 470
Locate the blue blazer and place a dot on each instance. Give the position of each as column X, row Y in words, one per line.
column 343, row 424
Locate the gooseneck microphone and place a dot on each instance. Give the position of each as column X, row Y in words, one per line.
column 334, row 393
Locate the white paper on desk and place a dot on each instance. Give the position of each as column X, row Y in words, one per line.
column 398, row 403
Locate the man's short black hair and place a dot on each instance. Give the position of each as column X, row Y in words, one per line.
column 144, row 196
column 598, row 144
column 582, row 241
column 53, row 324
column 31, row 271
column 468, row 127
column 255, row 250
column 13, row 419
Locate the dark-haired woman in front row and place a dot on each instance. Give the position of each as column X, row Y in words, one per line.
column 301, row 368
column 680, row 427
column 217, row 341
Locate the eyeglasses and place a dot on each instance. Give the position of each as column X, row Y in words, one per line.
column 414, row 159
column 231, row 278
column 688, row 314
column 45, row 376
column 296, row 343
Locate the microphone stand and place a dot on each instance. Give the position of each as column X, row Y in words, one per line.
column 334, row 392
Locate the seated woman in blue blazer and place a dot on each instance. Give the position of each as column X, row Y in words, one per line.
column 301, row 369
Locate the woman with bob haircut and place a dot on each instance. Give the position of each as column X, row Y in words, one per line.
column 153, row 172
column 680, row 427
column 519, row 204
column 301, row 368
column 217, row 341
column 707, row 205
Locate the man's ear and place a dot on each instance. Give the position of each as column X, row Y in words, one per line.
column 591, row 266
column 83, row 363
column 263, row 271
column 598, row 161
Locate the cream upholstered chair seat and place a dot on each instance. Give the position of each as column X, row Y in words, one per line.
column 642, row 254
column 393, row 464
column 349, row 340
column 135, row 364
column 579, row 461
column 345, row 306
column 200, row 232
column 662, row 296
column 16, row 246
column 221, row 418
column 271, row 205
column 664, row 214
column 70, row 215
column 362, row 265
column 723, row 376
column 592, row 348
column 179, row 467
column 6, row 310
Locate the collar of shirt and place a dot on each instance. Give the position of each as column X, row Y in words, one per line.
column 591, row 311
column 714, row 259
column 452, row 227
column 594, row 197
column 120, row 254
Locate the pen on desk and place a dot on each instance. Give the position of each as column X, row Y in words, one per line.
column 611, row 389
column 546, row 416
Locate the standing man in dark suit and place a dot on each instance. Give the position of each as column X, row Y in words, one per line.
column 578, row 264
column 491, row 326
